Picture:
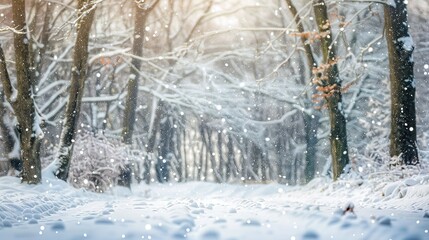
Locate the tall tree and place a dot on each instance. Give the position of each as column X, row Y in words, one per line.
column 141, row 11
column 86, row 11
column 21, row 98
column 311, row 121
column 330, row 84
column 402, row 84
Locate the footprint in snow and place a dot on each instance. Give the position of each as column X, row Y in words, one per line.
column 220, row 221
column 7, row 224
column 384, row 221
column 184, row 222
column 107, row 211
column 103, row 221
column 232, row 210
column 310, row 235
column 211, row 235
column 251, row 222
column 197, row 211
column 193, row 205
column 58, row 226
column 334, row 220
column 346, row 224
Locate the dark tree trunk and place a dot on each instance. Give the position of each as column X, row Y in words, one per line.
column 185, row 155
column 402, row 84
column 132, row 87
column 77, row 86
column 331, row 87
column 255, row 160
column 23, row 105
column 230, row 166
column 177, row 146
column 220, row 153
column 166, row 132
column 200, row 162
column 264, row 167
column 152, row 139
column 311, row 124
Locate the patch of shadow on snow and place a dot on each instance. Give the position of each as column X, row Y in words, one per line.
column 104, row 221
column 310, row 235
column 7, row 224
column 211, row 235
column 58, row 226
column 384, row 221
column 251, row 222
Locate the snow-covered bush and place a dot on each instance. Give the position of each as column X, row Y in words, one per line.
column 98, row 162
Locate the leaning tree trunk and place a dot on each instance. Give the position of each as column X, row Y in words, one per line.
column 330, row 84
column 311, row 121
column 21, row 98
column 79, row 70
column 402, row 84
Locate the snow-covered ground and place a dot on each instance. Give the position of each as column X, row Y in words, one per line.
column 54, row 210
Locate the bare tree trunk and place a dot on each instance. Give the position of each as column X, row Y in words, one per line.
column 402, row 83
column 185, row 157
column 331, row 87
column 22, row 101
column 209, row 143
column 221, row 160
column 132, row 87
column 77, row 86
column 230, row 170
column 200, row 163
column 152, row 139
column 311, row 122
column 177, row 146
column 166, row 132
column 255, row 160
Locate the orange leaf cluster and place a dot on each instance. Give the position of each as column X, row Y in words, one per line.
column 110, row 61
column 311, row 37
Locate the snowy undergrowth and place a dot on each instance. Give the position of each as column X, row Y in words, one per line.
column 97, row 162
column 382, row 186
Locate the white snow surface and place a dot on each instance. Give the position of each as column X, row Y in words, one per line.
column 196, row 210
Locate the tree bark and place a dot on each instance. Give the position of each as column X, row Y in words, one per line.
column 331, row 86
column 220, row 153
column 230, row 165
column 77, row 86
column 132, row 87
column 166, row 150
column 402, row 84
column 23, row 102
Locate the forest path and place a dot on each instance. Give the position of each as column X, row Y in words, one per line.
column 212, row 211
